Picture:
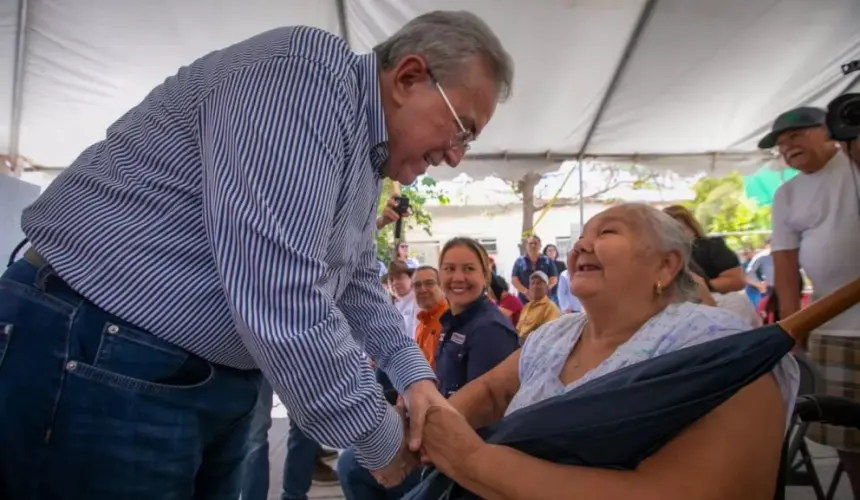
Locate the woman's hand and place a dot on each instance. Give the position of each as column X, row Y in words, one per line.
column 449, row 441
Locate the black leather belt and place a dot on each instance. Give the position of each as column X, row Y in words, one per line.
column 33, row 257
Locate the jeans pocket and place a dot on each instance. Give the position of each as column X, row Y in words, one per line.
column 5, row 337
column 137, row 361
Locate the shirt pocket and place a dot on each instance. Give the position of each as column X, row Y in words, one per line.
column 451, row 367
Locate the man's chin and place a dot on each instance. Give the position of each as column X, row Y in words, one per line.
column 409, row 173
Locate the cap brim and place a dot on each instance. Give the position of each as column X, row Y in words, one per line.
column 769, row 140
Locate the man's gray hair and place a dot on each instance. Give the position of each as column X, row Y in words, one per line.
column 449, row 41
column 669, row 235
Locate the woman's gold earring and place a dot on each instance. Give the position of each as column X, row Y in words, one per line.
column 658, row 289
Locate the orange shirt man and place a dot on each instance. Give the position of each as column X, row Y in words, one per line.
column 432, row 304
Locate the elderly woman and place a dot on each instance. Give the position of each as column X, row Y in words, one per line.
column 629, row 270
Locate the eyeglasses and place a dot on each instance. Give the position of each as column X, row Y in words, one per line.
column 464, row 137
column 424, row 285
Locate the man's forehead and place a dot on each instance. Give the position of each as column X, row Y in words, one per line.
column 423, row 274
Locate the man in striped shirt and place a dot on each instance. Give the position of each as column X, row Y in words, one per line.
column 225, row 225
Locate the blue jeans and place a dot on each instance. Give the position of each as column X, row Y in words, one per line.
column 92, row 407
column 255, row 482
column 358, row 484
column 302, row 453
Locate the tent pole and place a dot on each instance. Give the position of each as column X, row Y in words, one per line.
column 341, row 20
column 644, row 16
column 581, row 198
column 18, row 85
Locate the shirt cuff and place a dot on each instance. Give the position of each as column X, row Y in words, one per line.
column 378, row 449
column 407, row 367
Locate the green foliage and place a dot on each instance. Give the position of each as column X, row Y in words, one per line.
column 419, row 194
column 721, row 207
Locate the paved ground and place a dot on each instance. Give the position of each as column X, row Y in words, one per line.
column 825, row 462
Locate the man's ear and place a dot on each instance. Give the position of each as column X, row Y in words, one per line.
column 409, row 73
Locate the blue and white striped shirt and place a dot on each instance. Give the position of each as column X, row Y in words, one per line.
column 232, row 213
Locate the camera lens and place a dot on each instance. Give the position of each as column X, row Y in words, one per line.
column 851, row 113
column 843, row 117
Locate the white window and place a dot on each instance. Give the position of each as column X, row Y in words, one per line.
column 564, row 245
column 425, row 252
column 489, row 245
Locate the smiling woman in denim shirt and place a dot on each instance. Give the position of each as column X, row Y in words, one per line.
column 476, row 337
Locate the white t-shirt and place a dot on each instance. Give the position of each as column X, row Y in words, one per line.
column 408, row 308
column 819, row 214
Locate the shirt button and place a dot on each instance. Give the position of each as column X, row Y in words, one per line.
column 71, row 366
column 113, row 329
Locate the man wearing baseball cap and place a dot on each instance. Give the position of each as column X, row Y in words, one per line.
column 540, row 309
column 816, row 227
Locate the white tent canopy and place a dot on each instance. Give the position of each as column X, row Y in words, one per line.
column 696, row 89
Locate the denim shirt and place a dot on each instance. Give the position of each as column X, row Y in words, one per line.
column 473, row 342
column 523, row 269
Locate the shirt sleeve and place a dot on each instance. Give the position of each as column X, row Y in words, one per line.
column 274, row 140
column 380, row 327
column 515, row 270
column 552, row 313
column 564, row 295
column 552, row 271
column 722, row 257
column 493, row 344
column 783, row 237
column 753, row 268
column 376, row 324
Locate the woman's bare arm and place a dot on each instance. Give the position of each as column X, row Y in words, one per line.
column 730, row 280
column 733, row 452
column 484, row 400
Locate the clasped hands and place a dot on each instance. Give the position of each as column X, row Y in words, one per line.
column 434, row 433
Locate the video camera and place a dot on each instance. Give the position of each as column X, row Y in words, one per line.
column 843, row 113
column 402, row 205
column 402, row 209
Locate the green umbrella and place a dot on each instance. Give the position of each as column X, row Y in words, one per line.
column 761, row 186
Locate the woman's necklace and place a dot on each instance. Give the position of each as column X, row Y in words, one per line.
column 575, row 358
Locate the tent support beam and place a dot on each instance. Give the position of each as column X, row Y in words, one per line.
column 610, row 157
column 644, row 16
column 342, row 22
column 562, row 157
column 18, row 84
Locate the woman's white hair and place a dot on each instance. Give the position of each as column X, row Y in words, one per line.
column 667, row 235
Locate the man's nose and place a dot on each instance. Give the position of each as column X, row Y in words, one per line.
column 454, row 156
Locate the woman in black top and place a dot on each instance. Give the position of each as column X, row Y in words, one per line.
column 551, row 251
column 719, row 265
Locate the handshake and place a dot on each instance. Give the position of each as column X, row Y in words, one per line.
column 434, row 433
column 406, row 459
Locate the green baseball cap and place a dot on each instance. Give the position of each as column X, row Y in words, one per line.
column 797, row 118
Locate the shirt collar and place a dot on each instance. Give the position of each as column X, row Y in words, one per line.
column 438, row 310
column 449, row 320
column 540, row 302
column 377, row 132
